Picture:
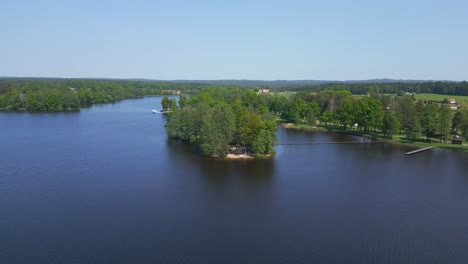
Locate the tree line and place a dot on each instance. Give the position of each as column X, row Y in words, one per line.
column 219, row 121
column 447, row 88
column 69, row 95
column 386, row 114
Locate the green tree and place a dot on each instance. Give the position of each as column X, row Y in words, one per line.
column 183, row 101
column 327, row 117
column 263, row 143
column 430, row 120
column 368, row 113
column 165, row 103
column 52, row 102
column 419, row 108
column 311, row 118
column 413, row 129
column 391, row 125
column 173, row 104
column 457, row 122
column 445, row 120
column 403, row 105
column 315, row 108
column 344, row 113
column 464, row 124
column 217, row 131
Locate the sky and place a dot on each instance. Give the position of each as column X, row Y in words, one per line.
column 262, row 40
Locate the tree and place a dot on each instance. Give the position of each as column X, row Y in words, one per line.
column 52, row 102
column 402, row 106
column 183, row 101
column 297, row 119
column 430, row 120
column 310, row 118
column 457, row 122
column 464, row 124
column 419, row 108
column 70, row 101
column 263, row 143
column 249, row 128
column 368, row 113
column 165, row 103
column 413, row 129
column 312, row 113
column 445, row 120
column 327, row 117
column 299, row 107
column 173, row 104
column 391, row 125
column 217, row 131
column 344, row 113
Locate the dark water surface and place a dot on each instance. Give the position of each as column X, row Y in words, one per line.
column 106, row 186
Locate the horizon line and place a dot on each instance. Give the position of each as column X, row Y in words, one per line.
column 233, row 79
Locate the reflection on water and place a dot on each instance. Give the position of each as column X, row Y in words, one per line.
column 223, row 172
column 105, row 185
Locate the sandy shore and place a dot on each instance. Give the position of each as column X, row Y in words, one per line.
column 242, row 156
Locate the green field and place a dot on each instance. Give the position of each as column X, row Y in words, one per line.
column 440, row 97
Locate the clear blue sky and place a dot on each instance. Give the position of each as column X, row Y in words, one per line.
column 333, row 40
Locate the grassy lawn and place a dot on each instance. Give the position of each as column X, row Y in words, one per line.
column 440, row 97
column 422, row 143
column 304, row 127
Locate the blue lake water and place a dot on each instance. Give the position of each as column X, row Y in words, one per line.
column 104, row 185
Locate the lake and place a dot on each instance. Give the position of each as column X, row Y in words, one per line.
column 104, row 185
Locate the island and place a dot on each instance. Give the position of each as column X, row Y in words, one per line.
column 224, row 123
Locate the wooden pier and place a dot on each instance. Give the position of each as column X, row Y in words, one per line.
column 418, row 150
column 320, row 143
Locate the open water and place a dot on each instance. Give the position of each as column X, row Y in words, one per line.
column 104, row 185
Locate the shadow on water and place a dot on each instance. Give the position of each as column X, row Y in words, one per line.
column 223, row 171
column 106, row 186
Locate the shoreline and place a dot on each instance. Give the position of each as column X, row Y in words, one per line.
column 240, row 156
column 71, row 110
column 416, row 144
column 247, row 157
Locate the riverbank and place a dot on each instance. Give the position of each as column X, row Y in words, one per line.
column 397, row 139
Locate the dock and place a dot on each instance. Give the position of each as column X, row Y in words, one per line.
column 418, row 150
column 339, row 142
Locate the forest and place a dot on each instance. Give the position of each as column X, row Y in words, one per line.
column 224, row 119
column 447, row 88
column 54, row 95
column 221, row 121
column 374, row 113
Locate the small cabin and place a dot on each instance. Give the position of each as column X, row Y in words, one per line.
column 457, row 141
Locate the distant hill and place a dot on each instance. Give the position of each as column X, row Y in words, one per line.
column 355, row 86
column 293, row 83
column 247, row 83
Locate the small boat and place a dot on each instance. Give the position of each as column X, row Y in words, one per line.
column 154, row 111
